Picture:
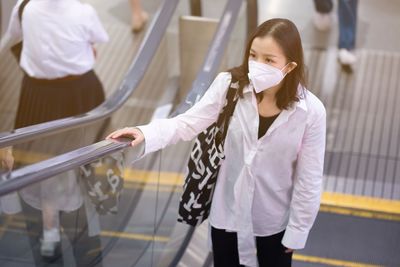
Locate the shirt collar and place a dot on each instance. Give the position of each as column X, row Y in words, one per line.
column 301, row 92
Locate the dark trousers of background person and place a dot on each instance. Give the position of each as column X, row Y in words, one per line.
column 347, row 16
column 270, row 251
column 86, row 250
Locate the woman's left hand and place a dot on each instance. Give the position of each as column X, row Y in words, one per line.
column 289, row 250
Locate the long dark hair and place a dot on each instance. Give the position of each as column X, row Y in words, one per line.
column 285, row 33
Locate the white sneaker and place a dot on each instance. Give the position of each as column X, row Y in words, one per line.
column 323, row 21
column 48, row 248
column 346, row 57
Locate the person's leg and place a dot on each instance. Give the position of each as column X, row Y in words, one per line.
column 51, row 229
column 139, row 16
column 271, row 252
column 225, row 248
column 323, row 6
column 323, row 16
column 87, row 249
column 347, row 13
column 34, row 227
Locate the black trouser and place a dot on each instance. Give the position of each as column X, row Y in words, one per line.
column 270, row 251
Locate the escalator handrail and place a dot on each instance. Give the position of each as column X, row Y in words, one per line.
column 45, row 169
column 135, row 74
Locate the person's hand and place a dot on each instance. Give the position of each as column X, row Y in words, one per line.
column 6, row 157
column 289, row 250
column 128, row 132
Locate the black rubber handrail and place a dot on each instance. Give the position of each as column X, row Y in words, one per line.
column 131, row 81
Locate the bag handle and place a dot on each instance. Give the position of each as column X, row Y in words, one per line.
column 21, row 9
column 231, row 98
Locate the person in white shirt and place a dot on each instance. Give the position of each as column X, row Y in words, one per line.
column 268, row 189
column 57, row 59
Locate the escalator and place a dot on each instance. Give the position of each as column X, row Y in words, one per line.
column 140, row 231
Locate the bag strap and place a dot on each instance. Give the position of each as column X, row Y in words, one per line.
column 21, row 9
column 231, row 100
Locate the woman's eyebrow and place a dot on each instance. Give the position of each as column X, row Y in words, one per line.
column 264, row 55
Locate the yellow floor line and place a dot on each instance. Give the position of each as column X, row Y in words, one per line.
column 361, row 203
column 330, row 262
column 134, row 236
column 360, row 213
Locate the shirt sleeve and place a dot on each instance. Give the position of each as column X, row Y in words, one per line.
column 13, row 33
column 307, row 189
column 162, row 132
column 97, row 33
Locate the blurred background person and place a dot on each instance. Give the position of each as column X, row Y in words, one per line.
column 347, row 16
column 57, row 59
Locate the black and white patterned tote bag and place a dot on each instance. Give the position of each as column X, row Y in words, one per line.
column 204, row 163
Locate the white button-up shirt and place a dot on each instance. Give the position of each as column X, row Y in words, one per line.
column 265, row 185
column 57, row 37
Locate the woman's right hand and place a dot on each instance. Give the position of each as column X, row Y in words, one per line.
column 128, row 132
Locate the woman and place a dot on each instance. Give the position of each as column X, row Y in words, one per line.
column 57, row 59
column 268, row 188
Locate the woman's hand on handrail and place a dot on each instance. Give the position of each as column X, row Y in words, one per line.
column 128, row 132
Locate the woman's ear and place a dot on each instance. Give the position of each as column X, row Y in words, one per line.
column 291, row 66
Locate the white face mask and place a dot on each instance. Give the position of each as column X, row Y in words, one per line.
column 264, row 76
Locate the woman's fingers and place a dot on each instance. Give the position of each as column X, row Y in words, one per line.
column 138, row 137
column 129, row 132
column 289, row 250
column 121, row 132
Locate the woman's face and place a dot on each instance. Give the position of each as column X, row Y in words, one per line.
column 266, row 50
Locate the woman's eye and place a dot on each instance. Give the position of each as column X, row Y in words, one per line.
column 268, row 60
column 252, row 56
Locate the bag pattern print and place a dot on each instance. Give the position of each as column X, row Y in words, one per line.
column 104, row 182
